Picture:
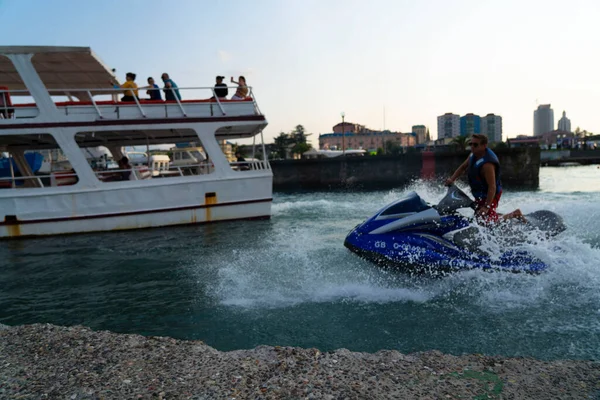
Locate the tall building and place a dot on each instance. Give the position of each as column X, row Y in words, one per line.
column 564, row 124
column 470, row 124
column 543, row 120
column 491, row 126
column 448, row 126
column 420, row 132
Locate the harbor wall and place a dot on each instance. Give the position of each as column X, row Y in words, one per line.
column 560, row 157
column 520, row 169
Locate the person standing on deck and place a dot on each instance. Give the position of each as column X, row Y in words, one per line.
column 131, row 86
column 170, row 86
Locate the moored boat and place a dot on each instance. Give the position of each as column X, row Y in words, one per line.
column 88, row 198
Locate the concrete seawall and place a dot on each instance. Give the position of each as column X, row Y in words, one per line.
column 520, row 169
column 560, row 157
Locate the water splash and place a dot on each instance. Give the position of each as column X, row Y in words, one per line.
column 306, row 263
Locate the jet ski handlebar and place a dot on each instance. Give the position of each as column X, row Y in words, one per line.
column 453, row 200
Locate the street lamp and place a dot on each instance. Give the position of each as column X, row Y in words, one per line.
column 343, row 135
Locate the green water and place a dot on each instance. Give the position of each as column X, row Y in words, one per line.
column 290, row 281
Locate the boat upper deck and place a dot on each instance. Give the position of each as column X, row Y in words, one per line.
column 51, row 75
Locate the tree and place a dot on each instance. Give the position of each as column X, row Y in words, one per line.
column 460, row 142
column 300, row 148
column 392, row 148
column 281, row 144
column 299, row 134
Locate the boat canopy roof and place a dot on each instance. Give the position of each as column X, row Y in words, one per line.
column 70, row 68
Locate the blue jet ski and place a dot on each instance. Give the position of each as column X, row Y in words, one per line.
column 414, row 236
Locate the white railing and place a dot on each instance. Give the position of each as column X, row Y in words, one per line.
column 54, row 178
column 202, row 168
column 137, row 173
column 250, row 165
column 13, row 180
column 105, row 108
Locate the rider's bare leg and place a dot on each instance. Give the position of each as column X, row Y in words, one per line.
column 517, row 214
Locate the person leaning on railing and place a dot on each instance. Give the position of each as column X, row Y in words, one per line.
column 131, row 86
column 170, row 88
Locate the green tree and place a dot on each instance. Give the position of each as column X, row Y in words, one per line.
column 300, row 148
column 392, row 148
column 299, row 134
column 380, row 151
column 281, row 144
column 460, row 142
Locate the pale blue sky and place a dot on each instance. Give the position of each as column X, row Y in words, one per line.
column 309, row 60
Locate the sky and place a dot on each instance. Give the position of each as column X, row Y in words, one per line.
column 385, row 64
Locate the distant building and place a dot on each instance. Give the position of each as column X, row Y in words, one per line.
column 564, row 124
column 349, row 127
column 562, row 139
column 448, row 126
column 543, row 120
column 491, row 126
column 470, row 124
column 367, row 140
column 420, row 132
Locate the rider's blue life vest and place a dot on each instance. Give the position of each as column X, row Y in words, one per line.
column 479, row 186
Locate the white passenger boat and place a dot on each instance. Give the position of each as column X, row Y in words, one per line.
column 88, row 198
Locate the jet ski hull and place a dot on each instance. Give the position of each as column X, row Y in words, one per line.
column 429, row 254
column 414, row 236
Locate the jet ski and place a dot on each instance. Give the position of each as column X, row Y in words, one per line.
column 417, row 237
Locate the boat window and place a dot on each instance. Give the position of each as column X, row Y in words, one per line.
column 34, row 161
column 412, row 203
column 106, row 150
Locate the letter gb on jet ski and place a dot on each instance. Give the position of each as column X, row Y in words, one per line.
column 417, row 237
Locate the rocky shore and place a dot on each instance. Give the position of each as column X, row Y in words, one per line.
column 46, row 361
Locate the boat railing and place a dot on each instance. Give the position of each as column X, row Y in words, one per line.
column 112, row 108
column 251, row 165
column 62, row 178
column 69, row 177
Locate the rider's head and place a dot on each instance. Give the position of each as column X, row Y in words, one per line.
column 478, row 144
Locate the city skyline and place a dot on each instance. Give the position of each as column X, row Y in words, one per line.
column 385, row 64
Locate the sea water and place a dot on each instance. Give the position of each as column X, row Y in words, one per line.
column 289, row 281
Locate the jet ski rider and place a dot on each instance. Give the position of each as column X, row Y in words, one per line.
column 484, row 179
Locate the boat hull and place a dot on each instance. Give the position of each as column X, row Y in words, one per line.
column 135, row 205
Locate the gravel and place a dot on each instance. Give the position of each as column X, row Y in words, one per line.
column 47, row 361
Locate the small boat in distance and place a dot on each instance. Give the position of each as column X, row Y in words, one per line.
column 87, row 194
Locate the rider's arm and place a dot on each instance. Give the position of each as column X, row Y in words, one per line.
column 489, row 174
column 459, row 171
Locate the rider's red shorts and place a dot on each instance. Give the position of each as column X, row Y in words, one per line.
column 492, row 216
